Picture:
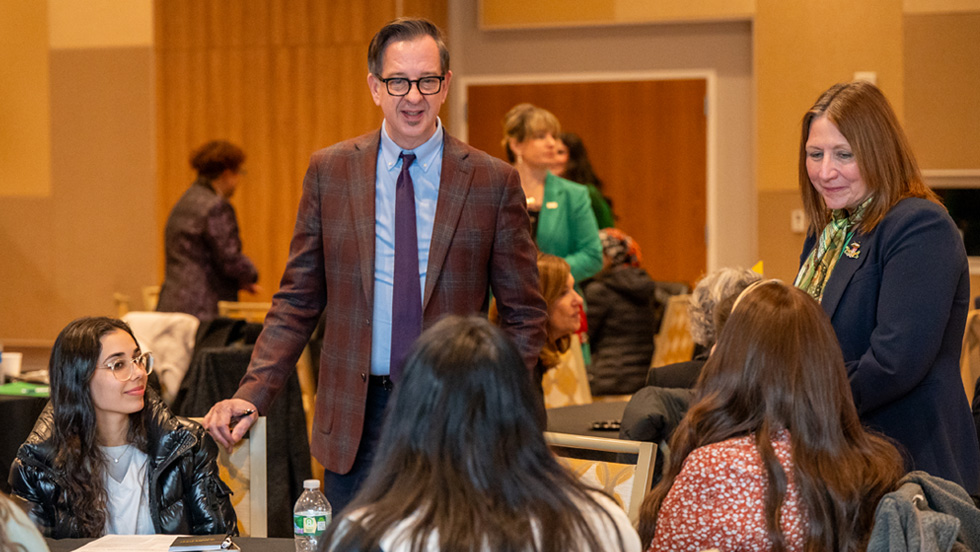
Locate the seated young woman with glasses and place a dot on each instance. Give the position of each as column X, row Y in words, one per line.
column 107, row 456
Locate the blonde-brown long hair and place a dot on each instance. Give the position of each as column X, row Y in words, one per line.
column 524, row 121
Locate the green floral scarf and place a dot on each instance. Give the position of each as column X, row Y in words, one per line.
column 823, row 258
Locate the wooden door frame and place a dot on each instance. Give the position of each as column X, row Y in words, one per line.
column 459, row 101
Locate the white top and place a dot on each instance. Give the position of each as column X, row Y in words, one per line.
column 397, row 539
column 126, row 484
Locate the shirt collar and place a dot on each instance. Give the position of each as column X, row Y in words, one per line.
column 426, row 155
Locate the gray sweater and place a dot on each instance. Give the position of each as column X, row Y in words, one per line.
column 925, row 514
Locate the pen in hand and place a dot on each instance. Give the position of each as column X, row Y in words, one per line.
column 238, row 417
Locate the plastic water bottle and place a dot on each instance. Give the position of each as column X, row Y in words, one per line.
column 311, row 515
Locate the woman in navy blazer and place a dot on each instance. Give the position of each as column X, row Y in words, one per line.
column 888, row 266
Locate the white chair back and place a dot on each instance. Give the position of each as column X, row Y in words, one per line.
column 245, row 472
column 628, row 484
column 170, row 336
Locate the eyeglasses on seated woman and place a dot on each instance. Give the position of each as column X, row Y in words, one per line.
column 107, row 456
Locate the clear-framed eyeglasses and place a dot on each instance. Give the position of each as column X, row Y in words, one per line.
column 427, row 86
column 122, row 368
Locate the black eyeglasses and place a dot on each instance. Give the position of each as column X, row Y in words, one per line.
column 427, row 86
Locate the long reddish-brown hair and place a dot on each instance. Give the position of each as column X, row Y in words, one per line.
column 758, row 381
column 553, row 275
column 863, row 115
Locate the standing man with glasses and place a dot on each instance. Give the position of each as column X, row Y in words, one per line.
column 396, row 229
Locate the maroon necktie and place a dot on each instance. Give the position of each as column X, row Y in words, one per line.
column 406, row 300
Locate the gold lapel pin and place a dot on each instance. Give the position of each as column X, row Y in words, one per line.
column 853, row 250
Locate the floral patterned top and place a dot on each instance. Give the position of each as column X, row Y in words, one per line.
column 717, row 500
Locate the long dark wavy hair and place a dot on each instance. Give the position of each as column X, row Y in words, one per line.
column 79, row 462
column 462, row 456
column 578, row 168
column 760, row 380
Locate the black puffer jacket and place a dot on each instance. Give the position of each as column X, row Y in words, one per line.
column 621, row 326
column 186, row 496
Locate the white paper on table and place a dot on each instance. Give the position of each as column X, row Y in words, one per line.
column 130, row 543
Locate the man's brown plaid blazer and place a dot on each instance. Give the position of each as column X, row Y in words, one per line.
column 480, row 242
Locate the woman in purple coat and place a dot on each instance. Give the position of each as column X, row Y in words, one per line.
column 205, row 263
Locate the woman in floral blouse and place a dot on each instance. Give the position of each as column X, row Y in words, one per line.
column 771, row 456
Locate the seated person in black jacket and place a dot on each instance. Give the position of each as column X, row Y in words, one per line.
column 711, row 303
column 621, row 300
column 106, row 456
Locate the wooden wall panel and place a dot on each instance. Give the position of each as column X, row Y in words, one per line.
column 647, row 141
column 281, row 78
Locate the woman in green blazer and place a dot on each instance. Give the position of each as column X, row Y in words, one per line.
column 562, row 221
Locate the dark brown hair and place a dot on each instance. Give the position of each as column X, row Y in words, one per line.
column 404, row 28
column 462, row 456
column 759, row 381
column 578, row 168
column 863, row 115
column 215, row 157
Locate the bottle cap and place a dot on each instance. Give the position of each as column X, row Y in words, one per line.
column 311, row 484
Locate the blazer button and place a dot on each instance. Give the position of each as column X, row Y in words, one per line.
column 363, row 376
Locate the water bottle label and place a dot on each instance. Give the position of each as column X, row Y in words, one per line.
column 310, row 525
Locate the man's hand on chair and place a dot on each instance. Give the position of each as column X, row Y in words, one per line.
column 229, row 420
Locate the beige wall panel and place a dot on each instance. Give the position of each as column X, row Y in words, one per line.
column 281, row 78
column 25, row 154
column 942, row 89
column 517, row 13
column 100, row 23
column 66, row 254
column 801, row 49
column 779, row 248
column 501, row 14
column 940, row 6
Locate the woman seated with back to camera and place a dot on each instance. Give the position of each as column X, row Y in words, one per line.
column 709, row 307
column 107, row 456
column 463, row 464
column 771, row 455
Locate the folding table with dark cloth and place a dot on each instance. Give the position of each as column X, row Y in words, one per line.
column 17, row 414
column 213, row 376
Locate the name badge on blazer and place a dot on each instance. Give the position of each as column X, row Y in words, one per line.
column 551, row 205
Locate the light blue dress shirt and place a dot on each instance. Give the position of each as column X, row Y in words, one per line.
column 425, row 171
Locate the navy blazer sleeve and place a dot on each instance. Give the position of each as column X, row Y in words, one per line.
column 894, row 313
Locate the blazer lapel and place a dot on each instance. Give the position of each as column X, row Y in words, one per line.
column 851, row 260
column 362, row 166
column 454, row 185
column 548, row 219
